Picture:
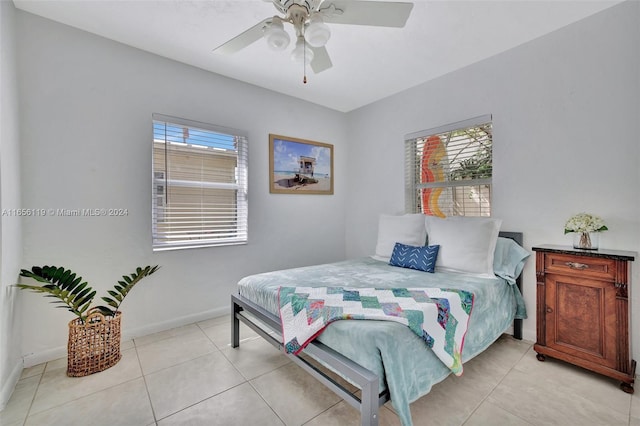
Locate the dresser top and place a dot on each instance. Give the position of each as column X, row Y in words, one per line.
column 603, row 253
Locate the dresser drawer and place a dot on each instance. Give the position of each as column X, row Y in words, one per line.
column 593, row 267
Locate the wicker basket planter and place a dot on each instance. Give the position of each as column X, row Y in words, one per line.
column 93, row 345
column 94, row 335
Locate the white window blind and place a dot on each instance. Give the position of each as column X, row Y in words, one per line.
column 448, row 170
column 199, row 184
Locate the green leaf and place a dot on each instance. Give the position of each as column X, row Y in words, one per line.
column 110, row 302
column 65, row 276
column 79, row 288
column 87, row 299
column 106, row 311
column 57, row 274
column 83, row 293
column 74, row 283
column 49, row 272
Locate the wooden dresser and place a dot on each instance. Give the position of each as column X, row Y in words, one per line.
column 583, row 312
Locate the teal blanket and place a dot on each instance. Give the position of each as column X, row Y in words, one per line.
column 438, row 316
column 389, row 349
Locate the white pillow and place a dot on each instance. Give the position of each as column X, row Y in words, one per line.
column 467, row 244
column 407, row 229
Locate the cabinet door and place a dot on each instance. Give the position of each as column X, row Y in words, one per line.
column 581, row 318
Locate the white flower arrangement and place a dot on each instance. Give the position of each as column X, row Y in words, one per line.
column 584, row 222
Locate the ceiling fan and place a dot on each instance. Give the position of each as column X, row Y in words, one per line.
column 309, row 18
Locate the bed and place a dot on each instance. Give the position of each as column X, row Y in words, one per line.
column 365, row 353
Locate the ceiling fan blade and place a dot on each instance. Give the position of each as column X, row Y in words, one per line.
column 243, row 40
column 321, row 60
column 374, row 13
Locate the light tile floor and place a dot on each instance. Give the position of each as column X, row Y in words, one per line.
column 191, row 376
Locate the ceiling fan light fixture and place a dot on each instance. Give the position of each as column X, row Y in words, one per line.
column 302, row 52
column 275, row 35
column 317, row 32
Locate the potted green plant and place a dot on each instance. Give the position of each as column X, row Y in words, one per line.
column 94, row 335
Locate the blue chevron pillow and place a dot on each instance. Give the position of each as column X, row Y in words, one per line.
column 420, row 258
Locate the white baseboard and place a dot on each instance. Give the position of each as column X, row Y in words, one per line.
column 10, row 384
column 45, row 355
column 61, row 351
column 173, row 323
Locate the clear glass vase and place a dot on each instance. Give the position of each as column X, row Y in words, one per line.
column 586, row 240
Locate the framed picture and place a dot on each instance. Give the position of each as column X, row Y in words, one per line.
column 298, row 166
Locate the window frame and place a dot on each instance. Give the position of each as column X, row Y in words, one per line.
column 240, row 229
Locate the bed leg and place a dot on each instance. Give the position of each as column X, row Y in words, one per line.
column 517, row 329
column 369, row 405
column 235, row 325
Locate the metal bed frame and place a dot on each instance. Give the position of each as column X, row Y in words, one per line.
column 270, row 329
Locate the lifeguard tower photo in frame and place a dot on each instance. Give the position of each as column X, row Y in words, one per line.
column 298, row 166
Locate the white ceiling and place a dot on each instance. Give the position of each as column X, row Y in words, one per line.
column 369, row 63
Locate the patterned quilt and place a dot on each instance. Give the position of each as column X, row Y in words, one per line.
column 439, row 316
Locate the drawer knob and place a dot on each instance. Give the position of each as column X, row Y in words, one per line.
column 576, row 265
column 549, row 310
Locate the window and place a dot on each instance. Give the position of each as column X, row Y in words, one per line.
column 199, row 184
column 448, row 169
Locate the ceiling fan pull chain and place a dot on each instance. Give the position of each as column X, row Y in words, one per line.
column 304, row 63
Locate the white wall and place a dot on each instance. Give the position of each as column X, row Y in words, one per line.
column 10, row 225
column 566, row 113
column 86, row 104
